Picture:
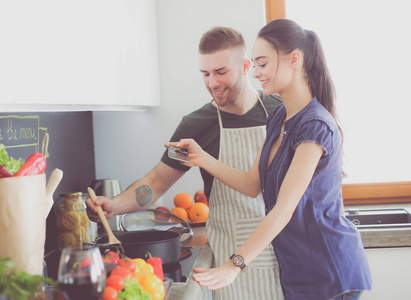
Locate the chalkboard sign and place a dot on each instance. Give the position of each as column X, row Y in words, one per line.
column 70, row 148
column 22, row 133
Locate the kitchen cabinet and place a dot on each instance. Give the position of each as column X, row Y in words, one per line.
column 78, row 53
column 391, row 273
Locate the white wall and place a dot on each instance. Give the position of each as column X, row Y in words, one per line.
column 130, row 144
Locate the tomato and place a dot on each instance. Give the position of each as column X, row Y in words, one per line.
column 113, row 256
column 142, row 265
column 127, row 263
column 60, row 296
column 123, row 272
column 88, row 260
column 151, row 284
column 109, row 293
column 115, row 281
column 107, row 260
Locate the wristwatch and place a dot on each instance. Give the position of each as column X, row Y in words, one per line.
column 238, row 261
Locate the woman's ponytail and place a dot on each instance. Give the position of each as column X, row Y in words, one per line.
column 317, row 73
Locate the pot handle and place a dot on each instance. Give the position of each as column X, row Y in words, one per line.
column 187, row 228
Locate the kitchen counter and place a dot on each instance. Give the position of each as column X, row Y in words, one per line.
column 191, row 289
column 377, row 238
column 384, row 237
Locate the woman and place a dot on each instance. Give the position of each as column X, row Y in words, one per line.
column 299, row 172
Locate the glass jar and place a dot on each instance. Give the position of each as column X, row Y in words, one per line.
column 72, row 221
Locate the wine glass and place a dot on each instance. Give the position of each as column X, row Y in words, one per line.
column 81, row 273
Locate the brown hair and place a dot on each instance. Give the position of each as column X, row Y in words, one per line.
column 286, row 35
column 220, row 38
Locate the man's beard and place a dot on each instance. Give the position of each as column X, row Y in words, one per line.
column 231, row 96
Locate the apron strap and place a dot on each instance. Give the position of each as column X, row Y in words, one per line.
column 220, row 121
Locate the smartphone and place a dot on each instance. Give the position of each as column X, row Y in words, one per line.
column 180, row 154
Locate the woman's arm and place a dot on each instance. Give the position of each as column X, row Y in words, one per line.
column 295, row 183
column 246, row 182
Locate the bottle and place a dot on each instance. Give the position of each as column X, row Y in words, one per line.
column 72, row 221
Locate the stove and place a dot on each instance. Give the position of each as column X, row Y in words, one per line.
column 181, row 271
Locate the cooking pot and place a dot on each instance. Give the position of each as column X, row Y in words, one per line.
column 166, row 244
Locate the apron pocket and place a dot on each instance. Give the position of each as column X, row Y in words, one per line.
column 243, row 229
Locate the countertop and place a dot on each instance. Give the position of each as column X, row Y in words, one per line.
column 191, row 289
column 388, row 237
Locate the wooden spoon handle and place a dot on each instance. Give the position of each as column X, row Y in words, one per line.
column 111, row 236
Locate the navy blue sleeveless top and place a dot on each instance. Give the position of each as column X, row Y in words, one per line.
column 319, row 251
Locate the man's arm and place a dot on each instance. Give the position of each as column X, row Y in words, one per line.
column 140, row 195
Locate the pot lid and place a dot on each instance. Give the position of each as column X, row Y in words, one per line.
column 152, row 219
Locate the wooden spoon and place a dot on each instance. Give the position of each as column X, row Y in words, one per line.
column 112, row 240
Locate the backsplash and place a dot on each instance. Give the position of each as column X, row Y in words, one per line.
column 70, row 148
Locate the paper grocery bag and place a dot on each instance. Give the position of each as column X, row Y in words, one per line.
column 22, row 222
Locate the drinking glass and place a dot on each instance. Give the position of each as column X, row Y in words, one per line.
column 81, row 273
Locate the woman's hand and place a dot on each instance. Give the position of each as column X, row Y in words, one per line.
column 216, row 278
column 195, row 153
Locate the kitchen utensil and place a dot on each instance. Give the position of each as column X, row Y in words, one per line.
column 108, row 188
column 136, row 244
column 52, row 184
column 166, row 244
column 155, row 219
column 112, row 240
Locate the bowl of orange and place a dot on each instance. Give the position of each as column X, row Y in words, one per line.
column 193, row 211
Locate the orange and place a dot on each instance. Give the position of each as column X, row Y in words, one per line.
column 183, row 200
column 179, row 212
column 199, row 212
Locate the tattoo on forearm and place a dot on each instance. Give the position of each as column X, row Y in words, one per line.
column 143, row 195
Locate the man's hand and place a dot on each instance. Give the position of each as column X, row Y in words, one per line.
column 105, row 204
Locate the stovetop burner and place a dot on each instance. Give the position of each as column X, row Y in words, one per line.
column 181, row 271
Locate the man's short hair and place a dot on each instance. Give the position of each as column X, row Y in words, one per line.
column 220, row 38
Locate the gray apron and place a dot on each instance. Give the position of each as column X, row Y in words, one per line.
column 234, row 216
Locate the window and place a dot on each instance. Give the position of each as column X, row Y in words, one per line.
column 366, row 45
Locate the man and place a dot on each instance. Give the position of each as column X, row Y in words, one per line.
column 231, row 128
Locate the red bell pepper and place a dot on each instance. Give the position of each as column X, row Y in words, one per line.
column 157, row 264
column 35, row 164
column 4, row 172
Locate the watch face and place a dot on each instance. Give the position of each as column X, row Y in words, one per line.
column 238, row 260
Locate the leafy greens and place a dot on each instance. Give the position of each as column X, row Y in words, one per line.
column 18, row 284
column 12, row 165
column 133, row 291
